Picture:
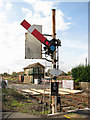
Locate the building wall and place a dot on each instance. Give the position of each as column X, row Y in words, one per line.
column 28, row 79
column 30, row 71
column 26, row 71
column 37, row 72
column 84, row 85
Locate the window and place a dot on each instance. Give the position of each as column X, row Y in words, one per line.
column 36, row 70
column 30, row 71
column 40, row 70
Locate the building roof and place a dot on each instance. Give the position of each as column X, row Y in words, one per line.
column 33, row 65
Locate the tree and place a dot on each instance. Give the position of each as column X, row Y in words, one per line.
column 5, row 74
column 84, row 74
column 63, row 74
column 81, row 73
column 14, row 74
column 69, row 73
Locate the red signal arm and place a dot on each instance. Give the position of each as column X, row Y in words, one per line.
column 35, row 33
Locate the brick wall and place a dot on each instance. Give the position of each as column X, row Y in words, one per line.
column 65, row 77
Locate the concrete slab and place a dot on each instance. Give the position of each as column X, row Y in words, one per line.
column 30, row 91
column 18, row 115
column 35, row 93
column 60, row 92
column 79, row 114
column 8, row 115
column 48, row 91
column 26, row 90
column 63, row 93
column 42, row 91
column 71, row 91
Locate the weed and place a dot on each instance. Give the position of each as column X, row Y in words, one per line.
column 16, row 104
column 71, row 113
column 14, row 101
column 84, row 104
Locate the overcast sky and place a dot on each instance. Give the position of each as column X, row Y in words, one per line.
column 71, row 28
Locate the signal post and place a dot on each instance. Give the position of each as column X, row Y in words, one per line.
column 54, row 98
column 50, row 48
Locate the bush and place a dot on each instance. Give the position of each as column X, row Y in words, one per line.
column 77, row 82
column 81, row 73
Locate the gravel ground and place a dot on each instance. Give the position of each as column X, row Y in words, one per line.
column 40, row 86
column 27, row 86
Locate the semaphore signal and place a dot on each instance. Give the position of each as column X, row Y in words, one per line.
column 49, row 44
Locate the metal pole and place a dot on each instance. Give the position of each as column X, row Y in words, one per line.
column 8, row 71
column 58, row 68
column 57, row 57
column 54, row 99
column 86, row 61
column 53, row 24
column 49, row 93
column 44, row 86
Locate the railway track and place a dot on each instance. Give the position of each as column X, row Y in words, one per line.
column 75, row 96
column 68, row 102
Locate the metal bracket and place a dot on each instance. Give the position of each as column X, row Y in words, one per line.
column 48, row 35
column 55, row 60
column 47, row 59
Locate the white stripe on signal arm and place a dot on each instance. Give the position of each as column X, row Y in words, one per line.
column 31, row 29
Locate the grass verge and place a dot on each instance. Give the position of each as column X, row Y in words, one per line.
column 17, row 102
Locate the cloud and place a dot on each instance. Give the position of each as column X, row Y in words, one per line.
column 28, row 12
column 3, row 18
column 75, row 44
column 46, row 21
column 60, row 23
column 43, row 15
column 69, row 18
column 12, row 42
column 41, row 6
column 44, row 7
column 70, row 60
column 31, row 1
column 8, row 6
column 76, row 51
column 12, row 35
column 12, row 46
column 58, row 1
column 36, row 18
column 1, row 3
